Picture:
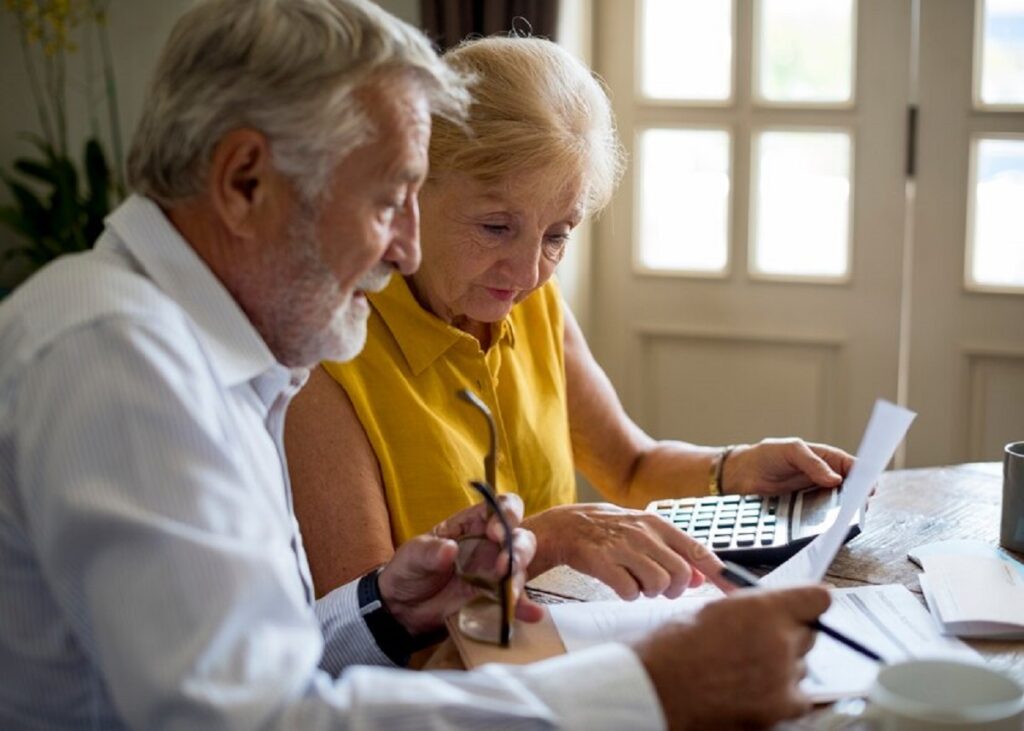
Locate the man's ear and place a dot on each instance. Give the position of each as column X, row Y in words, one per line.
column 243, row 183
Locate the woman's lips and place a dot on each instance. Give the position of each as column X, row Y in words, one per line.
column 504, row 295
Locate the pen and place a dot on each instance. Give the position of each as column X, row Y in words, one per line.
column 740, row 577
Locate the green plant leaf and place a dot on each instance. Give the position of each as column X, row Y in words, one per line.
column 97, row 202
column 35, row 169
column 32, row 209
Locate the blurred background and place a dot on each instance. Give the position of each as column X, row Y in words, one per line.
column 823, row 203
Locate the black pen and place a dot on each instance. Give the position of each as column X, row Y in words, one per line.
column 740, row 577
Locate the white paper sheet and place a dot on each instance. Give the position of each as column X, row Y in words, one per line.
column 975, row 596
column 886, row 428
column 583, row 624
column 887, row 619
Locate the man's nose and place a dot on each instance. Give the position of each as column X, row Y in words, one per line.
column 404, row 250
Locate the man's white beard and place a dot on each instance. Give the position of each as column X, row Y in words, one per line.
column 345, row 334
column 308, row 324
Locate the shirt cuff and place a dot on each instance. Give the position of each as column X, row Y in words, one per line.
column 603, row 687
column 347, row 639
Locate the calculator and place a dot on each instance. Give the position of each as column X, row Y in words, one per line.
column 756, row 529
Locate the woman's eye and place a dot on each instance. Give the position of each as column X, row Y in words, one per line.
column 496, row 229
column 554, row 247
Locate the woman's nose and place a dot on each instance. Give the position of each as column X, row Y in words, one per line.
column 525, row 262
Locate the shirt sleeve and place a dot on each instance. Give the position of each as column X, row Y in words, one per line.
column 180, row 584
column 347, row 638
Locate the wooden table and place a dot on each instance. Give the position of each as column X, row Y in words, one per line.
column 911, row 508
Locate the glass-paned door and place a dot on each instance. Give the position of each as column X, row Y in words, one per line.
column 966, row 344
column 748, row 272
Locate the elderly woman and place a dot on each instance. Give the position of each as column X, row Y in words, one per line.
column 380, row 449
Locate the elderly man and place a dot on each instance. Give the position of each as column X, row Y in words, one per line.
column 151, row 571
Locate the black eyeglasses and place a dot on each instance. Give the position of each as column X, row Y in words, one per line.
column 488, row 616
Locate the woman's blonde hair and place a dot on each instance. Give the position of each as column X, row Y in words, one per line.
column 535, row 107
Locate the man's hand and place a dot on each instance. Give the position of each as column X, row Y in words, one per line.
column 738, row 662
column 632, row 551
column 419, row 586
column 775, row 466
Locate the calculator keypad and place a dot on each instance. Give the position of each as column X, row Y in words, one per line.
column 728, row 522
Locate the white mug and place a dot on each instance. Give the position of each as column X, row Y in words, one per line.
column 927, row 695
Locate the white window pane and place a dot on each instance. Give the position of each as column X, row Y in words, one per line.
column 805, row 50
column 997, row 245
column 684, row 199
column 1002, row 62
column 686, row 49
column 802, row 204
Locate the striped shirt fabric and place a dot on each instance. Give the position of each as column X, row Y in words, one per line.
column 151, row 569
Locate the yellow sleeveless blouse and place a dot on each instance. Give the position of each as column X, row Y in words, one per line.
column 430, row 443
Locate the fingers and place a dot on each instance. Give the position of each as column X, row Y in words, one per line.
column 512, row 509
column 621, row 581
column 839, row 460
column 425, row 556
column 636, row 552
column 817, row 469
column 528, row 610
column 701, row 560
column 653, row 556
column 737, row 663
column 524, row 547
column 805, row 603
column 477, row 519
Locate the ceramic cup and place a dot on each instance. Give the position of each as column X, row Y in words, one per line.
column 1011, row 533
column 931, row 695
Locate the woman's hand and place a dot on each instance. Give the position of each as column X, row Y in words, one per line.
column 775, row 466
column 631, row 551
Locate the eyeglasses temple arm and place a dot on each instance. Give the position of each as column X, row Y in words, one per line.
column 489, row 471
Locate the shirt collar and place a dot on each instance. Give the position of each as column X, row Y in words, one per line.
column 422, row 336
column 236, row 349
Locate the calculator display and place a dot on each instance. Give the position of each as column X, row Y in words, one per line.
column 815, row 511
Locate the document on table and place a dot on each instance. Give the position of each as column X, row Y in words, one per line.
column 888, row 619
column 886, row 428
column 975, row 596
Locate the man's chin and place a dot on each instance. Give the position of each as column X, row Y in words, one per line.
column 347, row 337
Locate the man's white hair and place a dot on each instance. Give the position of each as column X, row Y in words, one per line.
column 287, row 68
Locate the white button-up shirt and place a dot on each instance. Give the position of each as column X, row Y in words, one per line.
column 151, row 569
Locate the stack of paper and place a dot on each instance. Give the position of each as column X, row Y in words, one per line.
column 973, row 589
column 888, row 619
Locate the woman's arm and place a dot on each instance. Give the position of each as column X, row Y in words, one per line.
column 630, row 468
column 336, row 485
column 626, row 465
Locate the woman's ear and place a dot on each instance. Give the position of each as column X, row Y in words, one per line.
column 243, row 184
